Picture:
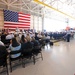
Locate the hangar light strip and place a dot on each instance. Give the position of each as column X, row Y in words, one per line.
column 42, row 3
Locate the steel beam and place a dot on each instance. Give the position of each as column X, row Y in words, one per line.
column 44, row 4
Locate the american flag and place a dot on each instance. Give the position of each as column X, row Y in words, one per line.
column 14, row 20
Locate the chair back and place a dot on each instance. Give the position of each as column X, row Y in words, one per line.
column 15, row 52
column 27, row 48
column 36, row 45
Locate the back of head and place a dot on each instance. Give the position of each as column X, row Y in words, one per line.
column 23, row 40
column 14, row 42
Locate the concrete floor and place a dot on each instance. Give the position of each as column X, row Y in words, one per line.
column 57, row 60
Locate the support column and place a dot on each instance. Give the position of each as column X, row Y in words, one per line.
column 1, row 19
column 33, row 22
column 43, row 23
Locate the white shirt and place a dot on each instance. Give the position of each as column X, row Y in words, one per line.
column 10, row 36
column 48, row 37
column 1, row 43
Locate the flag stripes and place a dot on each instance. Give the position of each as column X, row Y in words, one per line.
column 13, row 20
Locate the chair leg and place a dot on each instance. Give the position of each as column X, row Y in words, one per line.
column 41, row 55
column 34, row 59
column 24, row 63
column 47, row 45
column 7, row 70
column 10, row 66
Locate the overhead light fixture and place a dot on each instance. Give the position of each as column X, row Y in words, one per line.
column 42, row 3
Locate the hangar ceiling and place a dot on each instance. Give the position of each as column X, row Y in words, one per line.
column 26, row 6
column 29, row 6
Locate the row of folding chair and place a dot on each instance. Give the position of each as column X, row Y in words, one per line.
column 25, row 54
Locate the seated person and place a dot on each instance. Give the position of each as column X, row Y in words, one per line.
column 14, row 46
column 3, row 54
column 26, row 45
column 3, row 37
column 35, row 42
column 28, row 38
column 23, row 40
